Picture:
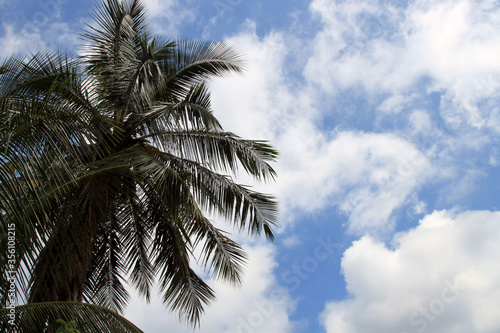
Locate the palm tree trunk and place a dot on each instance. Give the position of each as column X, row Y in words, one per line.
column 61, row 268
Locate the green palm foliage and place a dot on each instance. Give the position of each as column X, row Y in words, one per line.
column 65, row 317
column 110, row 164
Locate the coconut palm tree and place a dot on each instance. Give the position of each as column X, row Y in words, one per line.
column 112, row 163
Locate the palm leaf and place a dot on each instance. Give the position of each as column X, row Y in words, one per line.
column 194, row 111
column 221, row 255
column 218, row 193
column 183, row 290
column 195, row 61
column 42, row 317
column 219, row 150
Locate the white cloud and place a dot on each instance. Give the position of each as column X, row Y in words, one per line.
column 30, row 39
column 393, row 104
column 405, row 53
column 260, row 305
column 256, row 104
column 454, row 43
column 167, row 15
column 442, row 276
column 366, row 175
column 291, row 241
column 421, row 123
column 16, row 43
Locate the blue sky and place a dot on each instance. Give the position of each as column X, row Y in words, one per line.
column 386, row 115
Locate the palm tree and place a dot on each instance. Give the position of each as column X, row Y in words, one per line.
column 112, row 163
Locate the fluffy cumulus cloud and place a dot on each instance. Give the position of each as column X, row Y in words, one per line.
column 390, row 49
column 257, row 103
column 259, row 305
column 367, row 176
column 442, row 276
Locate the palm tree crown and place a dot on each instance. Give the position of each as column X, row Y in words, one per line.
column 110, row 164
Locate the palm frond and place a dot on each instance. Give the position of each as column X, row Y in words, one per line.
column 221, row 255
column 215, row 193
column 183, row 290
column 114, row 53
column 219, row 150
column 42, row 317
column 45, row 117
column 108, row 273
column 194, row 61
column 137, row 231
column 194, row 111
